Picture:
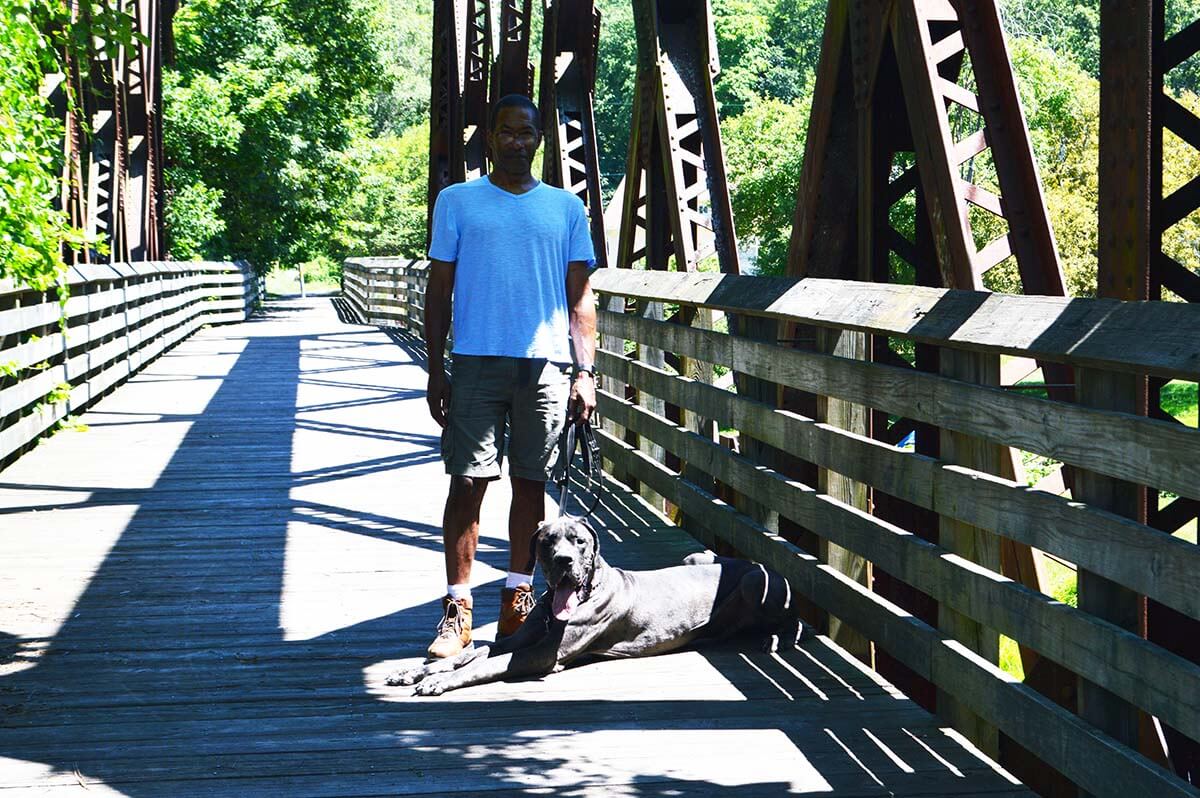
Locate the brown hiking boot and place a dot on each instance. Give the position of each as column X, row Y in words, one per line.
column 515, row 605
column 454, row 631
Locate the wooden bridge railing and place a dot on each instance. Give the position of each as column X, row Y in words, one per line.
column 56, row 358
column 974, row 508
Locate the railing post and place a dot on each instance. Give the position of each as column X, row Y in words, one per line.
column 977, row 545
column 856, row 419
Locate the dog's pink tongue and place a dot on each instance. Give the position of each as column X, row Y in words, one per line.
column 565, row 602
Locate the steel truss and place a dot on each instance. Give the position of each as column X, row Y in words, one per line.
column 570, row 41
column 112, row 173
column 512, row 72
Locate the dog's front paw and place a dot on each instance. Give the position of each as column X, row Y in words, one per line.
column 406, row 676
column 434, row 685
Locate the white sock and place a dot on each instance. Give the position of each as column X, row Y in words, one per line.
column 515, row 579
column 458, row 591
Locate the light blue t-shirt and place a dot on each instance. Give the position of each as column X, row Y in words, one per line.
column 511, row 251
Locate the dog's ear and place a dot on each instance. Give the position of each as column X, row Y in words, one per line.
column 531, row 563
column 595, row 537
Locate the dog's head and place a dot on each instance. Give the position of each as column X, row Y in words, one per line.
column 566, row 549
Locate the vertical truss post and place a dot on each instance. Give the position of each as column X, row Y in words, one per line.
column 570, row 41
column 112, row 145
column 512, row 72
column 447, row 163
column 477, row 57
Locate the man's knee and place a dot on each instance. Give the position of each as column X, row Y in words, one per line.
column 528, row 488
column 466, row 490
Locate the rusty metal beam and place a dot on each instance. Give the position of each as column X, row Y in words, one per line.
column 570, row 42
column 477, row 55
column 1134, row 215
column 447, row 163
column 675, row 111
column 512, row 72
column 112, row 145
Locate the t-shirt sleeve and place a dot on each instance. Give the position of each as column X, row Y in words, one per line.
column 581, row 235
column 443, row 241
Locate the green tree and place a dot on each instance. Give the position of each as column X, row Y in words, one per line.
column 266, row 99
column 386, row 213
column 764, row 152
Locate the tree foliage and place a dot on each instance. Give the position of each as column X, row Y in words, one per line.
column 263, row 103
column 35, row 38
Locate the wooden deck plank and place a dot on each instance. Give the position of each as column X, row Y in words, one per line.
column 204, row 591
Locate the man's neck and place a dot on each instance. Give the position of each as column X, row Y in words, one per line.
column 512, row 183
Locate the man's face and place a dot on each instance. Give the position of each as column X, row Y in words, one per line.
column 514, row 140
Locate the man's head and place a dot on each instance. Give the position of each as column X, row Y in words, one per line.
column 515, row 135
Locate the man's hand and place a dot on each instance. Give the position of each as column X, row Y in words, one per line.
column 583, row 396
column 438, row 396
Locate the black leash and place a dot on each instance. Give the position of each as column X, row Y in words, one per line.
column 577, row 434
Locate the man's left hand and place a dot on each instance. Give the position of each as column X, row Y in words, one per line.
column 583, row 396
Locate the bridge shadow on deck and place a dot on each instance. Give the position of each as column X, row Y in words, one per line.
column 193, row 663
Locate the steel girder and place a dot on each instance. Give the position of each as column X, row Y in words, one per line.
column 570, row 40
column 447, row 152
column 477, row 53
column 512, row 72
column 676, row 199
column 112, row 173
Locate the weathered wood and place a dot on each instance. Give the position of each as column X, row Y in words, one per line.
column 1124, row 663
column 1119, row 548
column 977, row 545
column 1117, row 444
column 1093, row 760
column 855, row 419
column 1099, row 333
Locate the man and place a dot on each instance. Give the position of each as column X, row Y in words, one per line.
column 514, row 255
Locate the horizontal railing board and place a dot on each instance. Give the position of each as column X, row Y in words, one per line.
column 1147, row 451
column 118, row 317
column 1099, row 333
column 20, row 319
column 1137, row 556
column 1125, row 664
column 1083, row 753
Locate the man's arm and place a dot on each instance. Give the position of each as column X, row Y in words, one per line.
column 437, row 325
column 582, row 304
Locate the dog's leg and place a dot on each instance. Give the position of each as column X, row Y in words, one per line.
column 762, row 601
column 778, row 609
column 416, row 674
column 530, row 651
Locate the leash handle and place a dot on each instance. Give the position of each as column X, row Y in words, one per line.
column 578, row 434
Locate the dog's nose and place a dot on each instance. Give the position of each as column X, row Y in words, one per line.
column 562, row 561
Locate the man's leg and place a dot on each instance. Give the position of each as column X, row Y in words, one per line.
column 460, row 527
column 460, row 536
column 527, row 510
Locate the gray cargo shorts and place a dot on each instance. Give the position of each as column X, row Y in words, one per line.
column 488, row 393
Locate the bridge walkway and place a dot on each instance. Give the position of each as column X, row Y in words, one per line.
column 203, row 591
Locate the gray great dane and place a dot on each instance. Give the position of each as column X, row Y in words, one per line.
column 592, row 609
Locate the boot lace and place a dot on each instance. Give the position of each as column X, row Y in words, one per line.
column 525, row 602
column 452, row 621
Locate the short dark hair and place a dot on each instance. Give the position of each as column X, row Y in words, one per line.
column 516, row 101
